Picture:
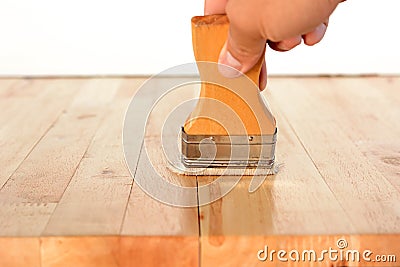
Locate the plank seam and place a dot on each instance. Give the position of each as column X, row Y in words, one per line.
column 130, row 190
column 198, row 221
column 36, row 143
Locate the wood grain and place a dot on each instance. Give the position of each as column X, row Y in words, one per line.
column 378, row 143
column 39, row 180
column 362, row 190
column 24, row 219
column 94, row 202
column 68, row 198
column 169, row 230
column 17, row 136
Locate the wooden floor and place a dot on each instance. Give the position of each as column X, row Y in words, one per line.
column 68, row 199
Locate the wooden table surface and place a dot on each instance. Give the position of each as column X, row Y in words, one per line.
column 68, row 199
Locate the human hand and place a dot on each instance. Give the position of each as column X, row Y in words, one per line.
column 283, row 24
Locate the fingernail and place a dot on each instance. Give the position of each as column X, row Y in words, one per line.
column 228, row 66
column 283, row 46
column 263, row 84
column 320, row 31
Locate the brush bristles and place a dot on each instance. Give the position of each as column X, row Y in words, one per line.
column 181, row 169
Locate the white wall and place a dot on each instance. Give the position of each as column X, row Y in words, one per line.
column 83, row 37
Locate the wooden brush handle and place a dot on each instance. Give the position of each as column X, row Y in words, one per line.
column 209, row 34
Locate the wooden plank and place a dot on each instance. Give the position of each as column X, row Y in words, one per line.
column 378, row 143
column 176, row 221
column 373, row 125
column 132, row 251
column 39, row 180
column 22, row 125
column 371, row 202
column 347, row 189
column 171, row 231
column 17, row 88
column 388, row 86
column 166, row 228
column 18, row 252
column 17, row 105
column 370, row 101
column 79, row 251
column 146, row 216
column 5, row 84
column 46, row 172
column 9, row 108
column 94, row 202
column 24, row 219
column 108, row 187
column 115, row 251
column 159, row 251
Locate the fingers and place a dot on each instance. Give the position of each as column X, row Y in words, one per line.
column 316, row 35
column 243, row 48
column 310, row 38
column 241, row 57
column 234, row 54
column 286, row 45
column 213, row 7
column 252, row 24
column 244, row 45
column 294, row 18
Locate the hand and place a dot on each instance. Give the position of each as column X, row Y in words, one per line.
column 283, row 24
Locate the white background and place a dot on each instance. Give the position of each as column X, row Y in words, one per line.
column 85, row 37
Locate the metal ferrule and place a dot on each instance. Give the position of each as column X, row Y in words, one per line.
column 235, row 151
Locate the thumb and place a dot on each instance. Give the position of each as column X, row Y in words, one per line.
column 240, row 52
